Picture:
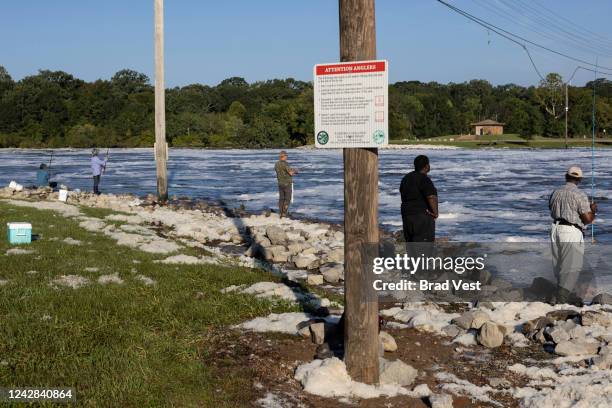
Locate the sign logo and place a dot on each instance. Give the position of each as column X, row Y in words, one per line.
column 379, row 137
column 322, row 137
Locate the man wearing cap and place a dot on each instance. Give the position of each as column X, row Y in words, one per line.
column 98, row 164
column 570, row 211
column 284, row 175
column 419, row 203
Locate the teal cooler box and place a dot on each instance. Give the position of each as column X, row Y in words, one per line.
column 19, row 232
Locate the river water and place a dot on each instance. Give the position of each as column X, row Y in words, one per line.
column 485, row 195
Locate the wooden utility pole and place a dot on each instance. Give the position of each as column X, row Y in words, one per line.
column 161, row 148
column 358, row 43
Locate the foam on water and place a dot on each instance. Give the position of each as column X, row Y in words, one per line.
column 499, row 195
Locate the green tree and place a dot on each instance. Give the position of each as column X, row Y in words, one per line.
column 130, row 81
column 550, row 96
column 82, row 136
column 237, row 110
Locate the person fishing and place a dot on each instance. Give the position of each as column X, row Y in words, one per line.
column 419, row 203
column 42, row 177
column 571, row 211
column 43, row 174
column 98, row 166
column 284, row 175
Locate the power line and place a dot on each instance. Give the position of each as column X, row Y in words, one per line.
column 537, row 21
column 515, row 18
column 523, row 46
column 568, row 21
column 561, row 31
column 590, row 70
column 512, row 37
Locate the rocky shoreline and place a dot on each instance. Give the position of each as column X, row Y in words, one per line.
column 310, row 254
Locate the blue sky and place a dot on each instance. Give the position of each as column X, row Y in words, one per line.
column 208, row 41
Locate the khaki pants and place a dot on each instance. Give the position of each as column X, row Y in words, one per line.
column 567, row 245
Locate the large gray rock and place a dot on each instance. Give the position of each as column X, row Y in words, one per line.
column 295, row 248
column 396, row 372
column 263, row 241
column 332, row 273
column 490, row 335
column 451, row 330
column 596, row 317
column 308, row 250
column 308, row 261
column 532, row 326
column 387, row 341
column 276, row 235
column 603, row 360
column 566, row 325
column 557, row 334
column 440, row 401
column 577, row 332
column 314, row 279
column 317, row 333
column 602, row 299
column 336, row 255
column 471, row 320
column 276, row 253
column 295, row 236
column 562, row 314
column 576, row 347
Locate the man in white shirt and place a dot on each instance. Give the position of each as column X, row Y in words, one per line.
column 570, row 211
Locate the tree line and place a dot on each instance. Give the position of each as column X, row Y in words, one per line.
column 55, row 109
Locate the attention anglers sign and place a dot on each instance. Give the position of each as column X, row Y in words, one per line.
column 351, row 104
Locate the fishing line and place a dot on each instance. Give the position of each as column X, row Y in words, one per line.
column 593, row 153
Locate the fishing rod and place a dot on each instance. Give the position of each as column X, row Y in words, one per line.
column 50, row 160
column 593, row 152
column 106, row 161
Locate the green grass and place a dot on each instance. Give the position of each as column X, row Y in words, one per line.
column 127, row 345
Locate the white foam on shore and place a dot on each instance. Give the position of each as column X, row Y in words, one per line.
column 280, row 323
column 458, row 386
column 329, row 378
column 590, row 389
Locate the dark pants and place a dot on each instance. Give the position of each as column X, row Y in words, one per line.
column 96, row 184
column 284, row 199
column 419, row 227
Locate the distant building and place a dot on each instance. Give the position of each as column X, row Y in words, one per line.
column 488, row 127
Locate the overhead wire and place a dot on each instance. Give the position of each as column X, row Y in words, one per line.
column 560, row 33
column 567, row 21
column 515, row 37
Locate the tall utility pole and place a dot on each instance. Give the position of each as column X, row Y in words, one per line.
column 161, row 148
column 358, row 43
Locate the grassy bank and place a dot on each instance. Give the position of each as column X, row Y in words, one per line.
column 132, row 344
column 507, row 141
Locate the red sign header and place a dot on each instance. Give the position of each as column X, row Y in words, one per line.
column 351, row 68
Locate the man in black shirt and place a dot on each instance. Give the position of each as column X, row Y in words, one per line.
column 419, row 203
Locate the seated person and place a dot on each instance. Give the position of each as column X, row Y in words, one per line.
column 42, row 177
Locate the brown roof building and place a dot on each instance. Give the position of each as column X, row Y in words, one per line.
column 488, row 127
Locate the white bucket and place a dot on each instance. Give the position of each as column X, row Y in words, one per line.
column 63, row 195
column 15, row 186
